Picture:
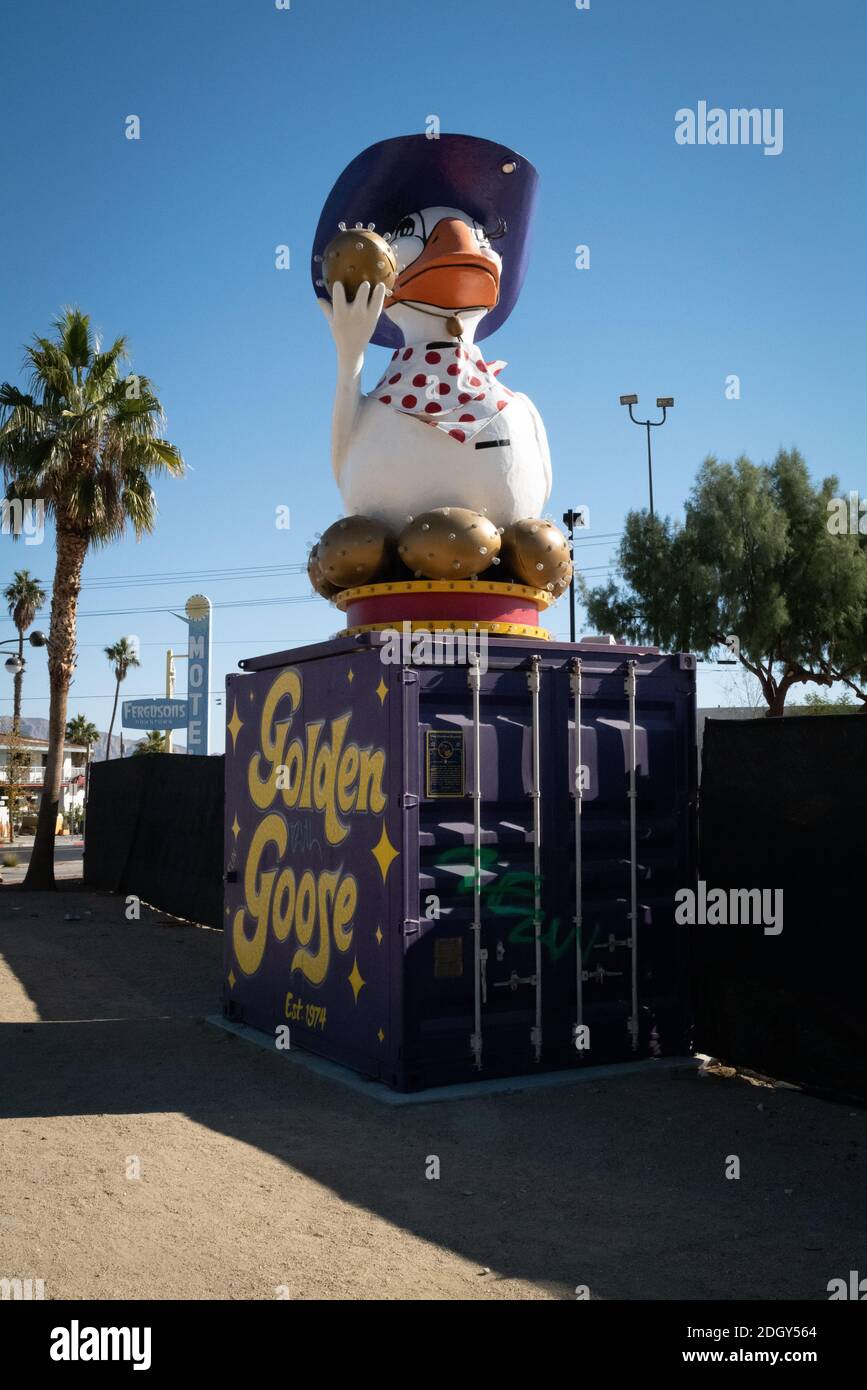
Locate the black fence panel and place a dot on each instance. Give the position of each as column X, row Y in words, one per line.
column 155, row 828
column 784, row 805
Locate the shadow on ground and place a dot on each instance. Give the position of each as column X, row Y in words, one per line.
column 618, row 1185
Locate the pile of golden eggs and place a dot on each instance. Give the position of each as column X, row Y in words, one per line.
column 446, row 543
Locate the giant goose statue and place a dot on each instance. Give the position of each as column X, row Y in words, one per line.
column 444, row 470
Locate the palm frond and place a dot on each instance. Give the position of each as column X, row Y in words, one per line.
column 83, row 440
column 73, row 330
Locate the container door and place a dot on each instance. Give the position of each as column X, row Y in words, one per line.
column 596, row 862
column 517, row 1004
column 446, row 981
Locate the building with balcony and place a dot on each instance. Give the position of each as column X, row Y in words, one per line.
column 26, row 759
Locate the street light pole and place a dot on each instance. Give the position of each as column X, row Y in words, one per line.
column 664, row 403
column 571, row 519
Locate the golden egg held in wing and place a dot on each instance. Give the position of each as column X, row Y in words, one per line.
column 537, row 553
column 355, row 256
column 355, row 550
column 449, row 543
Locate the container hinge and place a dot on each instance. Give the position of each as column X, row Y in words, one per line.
column 408, row 800
column 411, row 926
column 612, row 943
column 514, row 980
column 599, row 974
column 408, row 675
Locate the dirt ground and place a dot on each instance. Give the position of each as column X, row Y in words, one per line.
column 259, row 1179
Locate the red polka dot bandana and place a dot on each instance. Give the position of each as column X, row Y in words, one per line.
column 452, row 388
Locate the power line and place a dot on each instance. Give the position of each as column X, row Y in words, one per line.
column 163, row 608
column 29, row 699
column 130, row 581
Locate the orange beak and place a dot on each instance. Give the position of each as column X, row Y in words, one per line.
column 450, row 273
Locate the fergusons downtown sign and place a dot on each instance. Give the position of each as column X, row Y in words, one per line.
column 155, row 714
column 192, row 713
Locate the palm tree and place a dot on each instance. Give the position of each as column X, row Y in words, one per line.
column 84, row 441
column 153, row 742
column 80, row 730
column 23, row 597
column 123, row 656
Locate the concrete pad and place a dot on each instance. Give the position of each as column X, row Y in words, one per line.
column 469, row 1090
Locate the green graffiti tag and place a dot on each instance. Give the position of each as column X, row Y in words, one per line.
column 512, row 894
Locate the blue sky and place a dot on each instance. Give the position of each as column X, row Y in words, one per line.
column 704, row 261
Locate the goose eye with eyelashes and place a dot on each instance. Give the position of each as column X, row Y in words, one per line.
column 406, row 227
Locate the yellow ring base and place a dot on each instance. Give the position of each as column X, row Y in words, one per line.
column 541, row 598
column 539, row 634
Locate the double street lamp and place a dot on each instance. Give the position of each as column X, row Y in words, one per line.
column 664, row 403
column 15, row 664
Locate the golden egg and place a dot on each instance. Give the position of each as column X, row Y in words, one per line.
column 317, row 578
column 559, row 586
column 355, row 256
column 449, row 543
column 355, row 550
column 537, row 553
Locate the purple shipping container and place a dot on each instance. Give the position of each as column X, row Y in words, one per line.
column 353, row 912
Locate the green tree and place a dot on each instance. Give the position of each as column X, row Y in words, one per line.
column 85, row 441
column 814, row 703
column 24, row 596
column 153, row 742
column 123, row 656
column 80, row 730
column 754, row 561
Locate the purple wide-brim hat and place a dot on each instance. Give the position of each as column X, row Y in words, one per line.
column 395, row 177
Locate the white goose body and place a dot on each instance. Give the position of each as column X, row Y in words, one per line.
column 392, row 465
column 396, row 466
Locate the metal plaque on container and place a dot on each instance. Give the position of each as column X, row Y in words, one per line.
column 444, row 763
column 448, row 958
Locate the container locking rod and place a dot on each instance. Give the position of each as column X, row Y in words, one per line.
column 534, row 681
column 474, row 679
column 633, row 853
column 575, row 683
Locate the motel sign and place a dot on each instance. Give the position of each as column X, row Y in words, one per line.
column 192, row 713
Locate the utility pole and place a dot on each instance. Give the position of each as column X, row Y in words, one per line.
column 170, row 690
column 571, row 520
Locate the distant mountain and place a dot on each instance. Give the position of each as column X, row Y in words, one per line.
column 38, row 728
